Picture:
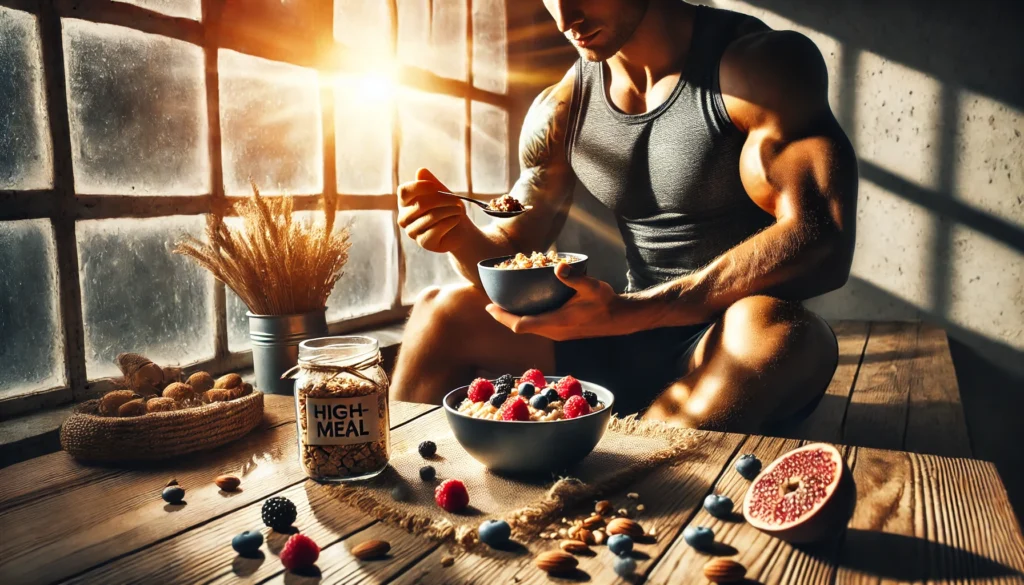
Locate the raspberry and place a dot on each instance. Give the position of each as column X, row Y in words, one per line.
column 515, row 409
column 535, row 377
column 451, row 495
column 576, row 406
column 568, row 386
column 480, row 390
column 299, row 552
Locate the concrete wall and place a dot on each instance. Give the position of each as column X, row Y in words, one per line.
column 932, row 95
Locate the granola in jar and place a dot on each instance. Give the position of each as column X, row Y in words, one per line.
column 341, row 407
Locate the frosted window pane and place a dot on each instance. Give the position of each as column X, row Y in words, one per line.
column 433, row 136
column 137, row 104
column 363, row 26
column 295, row 19
column 438, row 45
column 371, row 275
column 490, row 46
column 182, row 8
column 137, row 296
column 25, row 158
column 423, row 268
column 270, row 126
column 31, row 349
column 490, row 149
column 238, row 323
column 362, row 118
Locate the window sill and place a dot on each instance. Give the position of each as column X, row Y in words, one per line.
column 38, row 433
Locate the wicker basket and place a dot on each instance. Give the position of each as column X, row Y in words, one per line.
column 86, row 436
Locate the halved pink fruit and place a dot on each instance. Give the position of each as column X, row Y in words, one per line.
column 804, row 496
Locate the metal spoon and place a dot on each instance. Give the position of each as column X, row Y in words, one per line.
column 487, row 208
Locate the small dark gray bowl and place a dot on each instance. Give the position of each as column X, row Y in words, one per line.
column 529, row 291
column 529, row 448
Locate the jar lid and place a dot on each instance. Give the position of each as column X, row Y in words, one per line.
column 338, row 351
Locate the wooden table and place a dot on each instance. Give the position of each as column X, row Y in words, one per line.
column 918, row 518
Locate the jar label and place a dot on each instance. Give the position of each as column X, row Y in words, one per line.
column 342, row 421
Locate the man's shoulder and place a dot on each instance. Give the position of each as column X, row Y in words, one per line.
column 774, row 72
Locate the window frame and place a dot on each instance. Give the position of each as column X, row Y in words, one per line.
column 63, row 207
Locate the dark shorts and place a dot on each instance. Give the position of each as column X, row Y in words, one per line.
column 635, row 367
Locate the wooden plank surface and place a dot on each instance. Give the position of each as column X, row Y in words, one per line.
column 926, row 518
column 671, row 495
column 935, row 419
column 102, row 519
column 826, row 422
column 877, row 414
column 55, row 472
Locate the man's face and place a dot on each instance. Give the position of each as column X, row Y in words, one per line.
column 597, row 28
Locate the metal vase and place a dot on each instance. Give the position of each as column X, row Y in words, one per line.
column 275, row 346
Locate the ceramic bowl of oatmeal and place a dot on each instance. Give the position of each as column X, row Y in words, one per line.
column 537, row 437
column 525, row 284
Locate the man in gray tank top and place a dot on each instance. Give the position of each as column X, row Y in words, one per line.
column 710, row 137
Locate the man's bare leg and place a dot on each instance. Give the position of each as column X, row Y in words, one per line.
column 760, row 362
column 450, row 339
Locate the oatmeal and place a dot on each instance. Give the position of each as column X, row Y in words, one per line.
column 528, row 398
column 505, row 203
column 534, row 260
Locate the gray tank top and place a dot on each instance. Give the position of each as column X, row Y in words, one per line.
column 670, row 175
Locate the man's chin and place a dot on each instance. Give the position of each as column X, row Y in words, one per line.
column 594, row 54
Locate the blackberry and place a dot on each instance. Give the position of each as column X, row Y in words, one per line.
column 498, row 399
column 504, row 383
column 279, row 513
column 427, row 449
column 590, row 397
column 428, row 473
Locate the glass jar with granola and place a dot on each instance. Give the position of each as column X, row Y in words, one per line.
column 341, row 408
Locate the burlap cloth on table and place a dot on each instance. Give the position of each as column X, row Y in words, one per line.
column 629, row 447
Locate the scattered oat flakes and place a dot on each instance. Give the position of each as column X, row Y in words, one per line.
column 640, row 508
column 633, row 496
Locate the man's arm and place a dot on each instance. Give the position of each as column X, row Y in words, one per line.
column 797, row 164
column 545, row 182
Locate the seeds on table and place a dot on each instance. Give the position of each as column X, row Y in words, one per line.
column 228, row 483
column 371, row 549
column 724, row 571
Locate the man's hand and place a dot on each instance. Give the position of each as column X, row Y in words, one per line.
column 594, row 311
column 438, row 223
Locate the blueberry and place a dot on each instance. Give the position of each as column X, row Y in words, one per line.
column 590, row 397
column 551, row 395
column 698, row 537
column 495, row 533
column 539, row 401
column 718, row 506
column 498, row 399
column 625, row 567
column 173, row 494
column 400, row 493
column 748, row 466
column 620, row 544
column 427, row 449
column 428, row 473
column 247, row 543
column 527, row 389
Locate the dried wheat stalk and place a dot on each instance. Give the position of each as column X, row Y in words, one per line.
column 276, row 265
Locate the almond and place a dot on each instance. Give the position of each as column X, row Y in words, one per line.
column 574, row 546
column 724, row 571
column 599, row 537
column 603, row 507
column 228, row 381
column 594, row 521
column 228, row 483
column 573, row 531
column 625, row 526
column 556, row 562
column 371, row 549
column 585, row 535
